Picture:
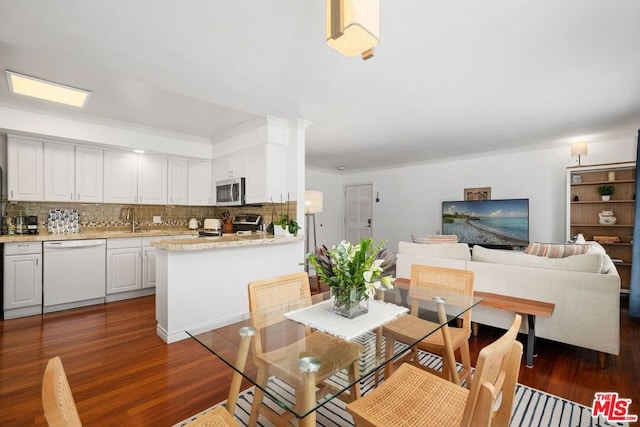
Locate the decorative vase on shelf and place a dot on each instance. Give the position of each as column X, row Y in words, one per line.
column 607, row 218
column 605, row 198
column 348, row 303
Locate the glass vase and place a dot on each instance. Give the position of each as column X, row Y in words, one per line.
column 348, row 304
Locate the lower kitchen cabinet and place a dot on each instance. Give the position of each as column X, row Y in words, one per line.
column 22, row 279
column 124, row 265
column 131, row 267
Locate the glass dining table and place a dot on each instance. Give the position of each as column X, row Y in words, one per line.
column 241, row 344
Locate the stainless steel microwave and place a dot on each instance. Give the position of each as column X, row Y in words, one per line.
column 230, row 192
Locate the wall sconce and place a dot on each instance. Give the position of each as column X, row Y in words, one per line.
column 353, row 26
column 579, row 149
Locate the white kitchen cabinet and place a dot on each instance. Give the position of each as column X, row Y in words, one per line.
column 178, row 186
column 120, row 177
column 59, row 172
column 124, row 265
column 25, row 169
column 200, row 183
column 22, row 279
column 230, row 166
column 265, row 173
column 149, row 261
column 89, row 177
column 152, row 180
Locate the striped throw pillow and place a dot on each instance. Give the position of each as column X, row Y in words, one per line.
column 435, row 238
column 551, row 250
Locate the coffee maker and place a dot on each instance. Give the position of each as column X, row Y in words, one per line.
column 32, row 224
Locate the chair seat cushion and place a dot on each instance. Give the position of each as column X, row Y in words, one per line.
column 412, row 397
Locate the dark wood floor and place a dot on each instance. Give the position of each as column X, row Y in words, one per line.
column 122, row 374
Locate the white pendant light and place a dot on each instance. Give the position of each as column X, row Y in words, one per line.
column 353, row 26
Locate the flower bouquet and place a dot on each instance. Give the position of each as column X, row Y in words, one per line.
column 354, row 274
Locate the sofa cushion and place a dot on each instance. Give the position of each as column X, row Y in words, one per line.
column 435, row 238
column 458, row 251
column 589, row 263
column 551, row 250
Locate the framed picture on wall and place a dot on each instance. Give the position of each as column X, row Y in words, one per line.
column 480, row 193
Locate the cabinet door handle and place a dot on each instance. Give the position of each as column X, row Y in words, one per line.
column 70, row 196
column 78, row 196
column 12, row 194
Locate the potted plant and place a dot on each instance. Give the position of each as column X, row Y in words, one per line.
column 287, row 224
column 605, row 191
column 354, row 274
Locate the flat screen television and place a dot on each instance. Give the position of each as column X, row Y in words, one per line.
column 490, row 223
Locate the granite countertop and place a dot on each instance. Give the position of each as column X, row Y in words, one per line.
column 93, row 234
column 224, row 241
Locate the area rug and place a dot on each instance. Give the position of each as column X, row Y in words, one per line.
column 531, row 407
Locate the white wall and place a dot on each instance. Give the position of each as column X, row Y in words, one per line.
column 329, row 221
column 411, row 197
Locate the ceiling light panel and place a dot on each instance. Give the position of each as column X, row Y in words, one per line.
column 43, row 89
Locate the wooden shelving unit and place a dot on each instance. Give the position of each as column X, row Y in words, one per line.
column 582, row 214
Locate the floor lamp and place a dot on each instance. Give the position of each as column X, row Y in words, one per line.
column 312, row 206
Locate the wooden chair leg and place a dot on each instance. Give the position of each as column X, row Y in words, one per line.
column 465, row 356
column 258, row 397
column 354, row 375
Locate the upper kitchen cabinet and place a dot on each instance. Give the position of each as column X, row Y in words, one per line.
column 200, row 183
column 59, row 172
column 263, row 167
column 53, row 171
column 89, row 175
column 25, row 171
column 120, row 177
column 178, row 181
column 265, row 173
column 152, row 180
column 230, row 166
column 132, row 178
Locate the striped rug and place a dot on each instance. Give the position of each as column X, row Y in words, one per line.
column 531, row 407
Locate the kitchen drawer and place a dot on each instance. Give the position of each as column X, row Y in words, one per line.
column 23, row 248
column 128, row 242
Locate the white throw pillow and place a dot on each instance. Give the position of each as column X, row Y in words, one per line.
column 442, row 250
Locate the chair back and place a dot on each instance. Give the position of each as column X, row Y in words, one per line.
column 496, row 372
column 283, row 293
column 57, row 400
column 428, row 282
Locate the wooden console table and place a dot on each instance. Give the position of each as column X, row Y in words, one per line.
column 531, row 308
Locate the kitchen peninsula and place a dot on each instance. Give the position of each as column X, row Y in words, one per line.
column 202, row 283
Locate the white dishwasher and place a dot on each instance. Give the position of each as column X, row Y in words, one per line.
column 74, row 273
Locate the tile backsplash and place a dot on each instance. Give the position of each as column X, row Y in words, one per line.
column 109, row 215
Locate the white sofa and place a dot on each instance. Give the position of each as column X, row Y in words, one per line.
column 584, row 288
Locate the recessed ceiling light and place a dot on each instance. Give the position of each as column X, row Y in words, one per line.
column 43, row 89
column 340, row 168
column 138, row 151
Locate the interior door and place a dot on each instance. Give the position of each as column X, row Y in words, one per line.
column 358, row 212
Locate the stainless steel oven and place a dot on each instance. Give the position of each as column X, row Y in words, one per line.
column 230, row 192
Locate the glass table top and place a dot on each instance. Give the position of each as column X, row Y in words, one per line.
column 305, row 336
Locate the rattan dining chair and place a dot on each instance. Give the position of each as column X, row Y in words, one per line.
column 428, row 282
column 60, row 407
column 417, row 398
column 334, row 354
